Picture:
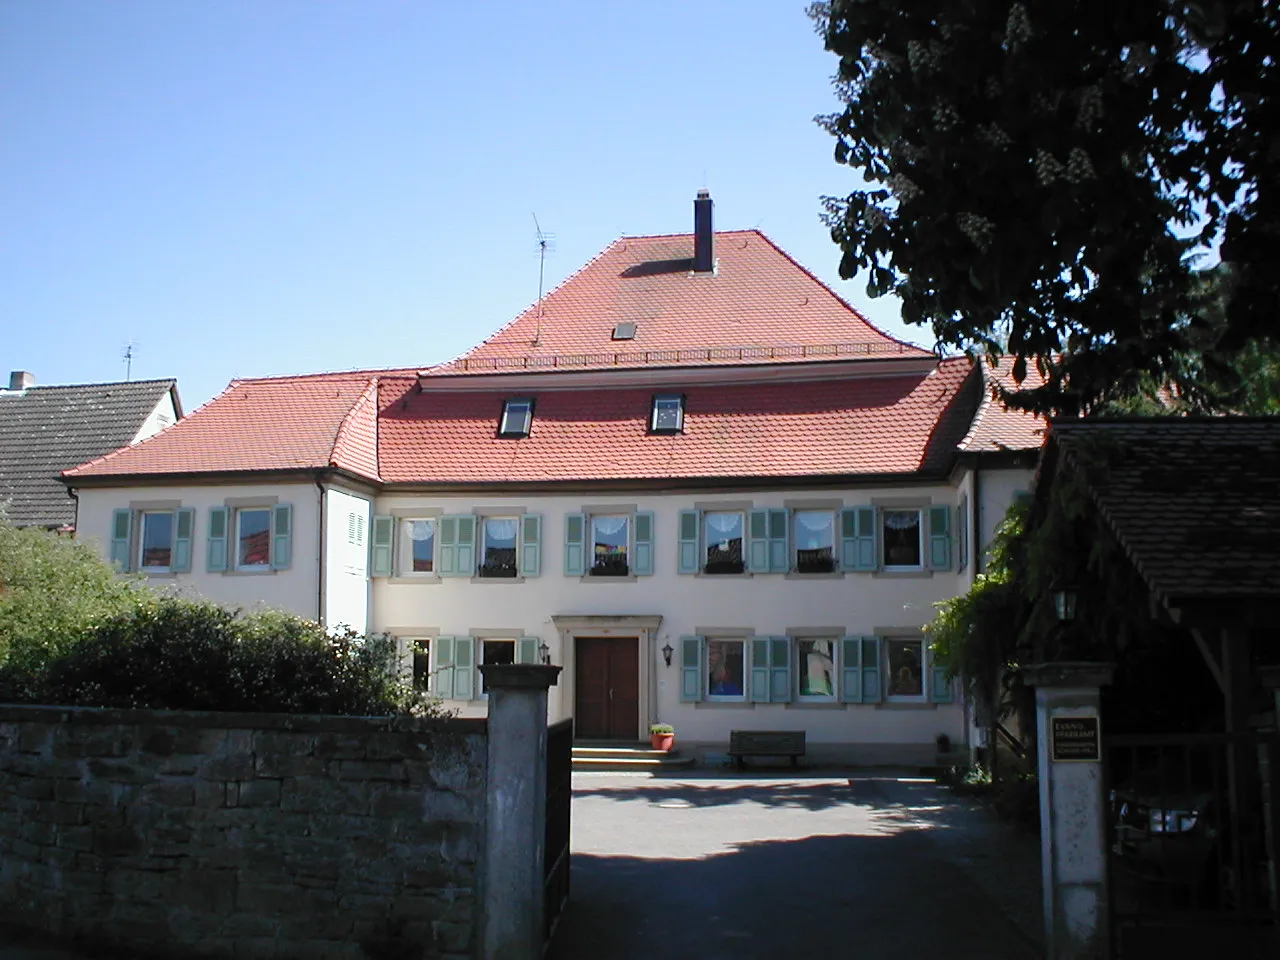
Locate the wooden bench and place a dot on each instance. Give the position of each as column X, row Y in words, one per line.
column 766, row 743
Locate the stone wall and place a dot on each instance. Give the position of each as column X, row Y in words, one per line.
column 243, row 835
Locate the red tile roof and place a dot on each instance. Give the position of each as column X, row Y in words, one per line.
column 759, row 306
column 282, row 423
column 995, row 427
column 865, row 425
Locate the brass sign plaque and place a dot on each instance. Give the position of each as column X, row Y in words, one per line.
column 1075, row 738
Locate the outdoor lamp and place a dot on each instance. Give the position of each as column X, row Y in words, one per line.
column 544, row 652
column 667, row 651
column 1064, row 603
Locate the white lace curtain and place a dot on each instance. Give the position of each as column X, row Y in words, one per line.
column 500, row 532
column 609, row 526
column 901, row 519
column 726, row 525
column 814, row 530
column 420, row 529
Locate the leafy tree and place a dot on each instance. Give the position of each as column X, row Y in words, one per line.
column 52, row 590
column 1043, row 180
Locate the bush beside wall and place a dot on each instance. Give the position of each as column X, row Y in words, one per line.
column 243, row 835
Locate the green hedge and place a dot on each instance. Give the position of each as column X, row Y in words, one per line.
column 176, row 654
column 74, row 632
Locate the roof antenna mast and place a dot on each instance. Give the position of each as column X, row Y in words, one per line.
column 128, row 359
column 546, row 245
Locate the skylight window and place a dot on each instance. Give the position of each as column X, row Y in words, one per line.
column 668, row 413
column 517, row 417
column 625, row 331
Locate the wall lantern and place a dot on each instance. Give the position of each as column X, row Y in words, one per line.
column 1064, row 603
column 544, row 652
column 667, row 651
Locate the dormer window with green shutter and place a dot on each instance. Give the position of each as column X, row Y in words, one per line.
column 667, row 415
column 517, row 417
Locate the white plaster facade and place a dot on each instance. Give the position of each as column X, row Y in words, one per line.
column 662, row 608
column 295, row 589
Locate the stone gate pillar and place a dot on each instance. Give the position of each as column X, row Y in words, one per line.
column 515, row 810
column 1073, row 808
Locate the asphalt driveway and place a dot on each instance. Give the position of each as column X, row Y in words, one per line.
column 726, row 866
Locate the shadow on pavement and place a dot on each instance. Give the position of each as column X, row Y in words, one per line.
column 822, row 896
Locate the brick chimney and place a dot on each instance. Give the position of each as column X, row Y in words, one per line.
column 20, row 380
column 704, row 260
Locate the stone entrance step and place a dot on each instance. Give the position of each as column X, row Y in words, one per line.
column 591, row 755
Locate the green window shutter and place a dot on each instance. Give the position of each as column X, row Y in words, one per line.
column 380, row 562
column 527, row 649
column 940, row 538
column 121, row 537
column 219, row 520
column 531, row 545
column 871, row 685
column 184, row 530
column 448, row 547
column 690, row 559
column 575, row 538
column 780, row 669
column 851, row 668
column 758, row 541
column 464, row 668
column 868, row 537
column 962, row 534
column 281, row 536
column 443, row 685
column 779, row 562
column 690, row 668
column 941, row 689
column 466, row 545
column 642, row 564
column 457, row 545
column 759, row 669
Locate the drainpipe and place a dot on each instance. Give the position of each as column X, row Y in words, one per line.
column 320, row 555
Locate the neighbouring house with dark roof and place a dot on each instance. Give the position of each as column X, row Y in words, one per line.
column 693, row 475
column 47, row 429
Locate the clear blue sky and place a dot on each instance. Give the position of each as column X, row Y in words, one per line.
column 250, row 188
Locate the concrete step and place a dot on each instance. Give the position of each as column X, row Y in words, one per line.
column 626, row 757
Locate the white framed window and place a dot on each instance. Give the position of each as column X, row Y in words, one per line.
column 725, row 669
column 155, row 541
column 610, row 546
column 253, row 538
column 499, row 547
column 723, row 539
column 816, row 668
column 667, row 415
column 814, row 539
column 417, row 546
column 517, row 417
column 902, row 536
column 905, row 669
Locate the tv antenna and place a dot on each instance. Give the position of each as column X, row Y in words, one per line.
column 127, row 357
column 546, row 245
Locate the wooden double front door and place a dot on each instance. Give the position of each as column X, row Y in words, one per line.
column 607, row 680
